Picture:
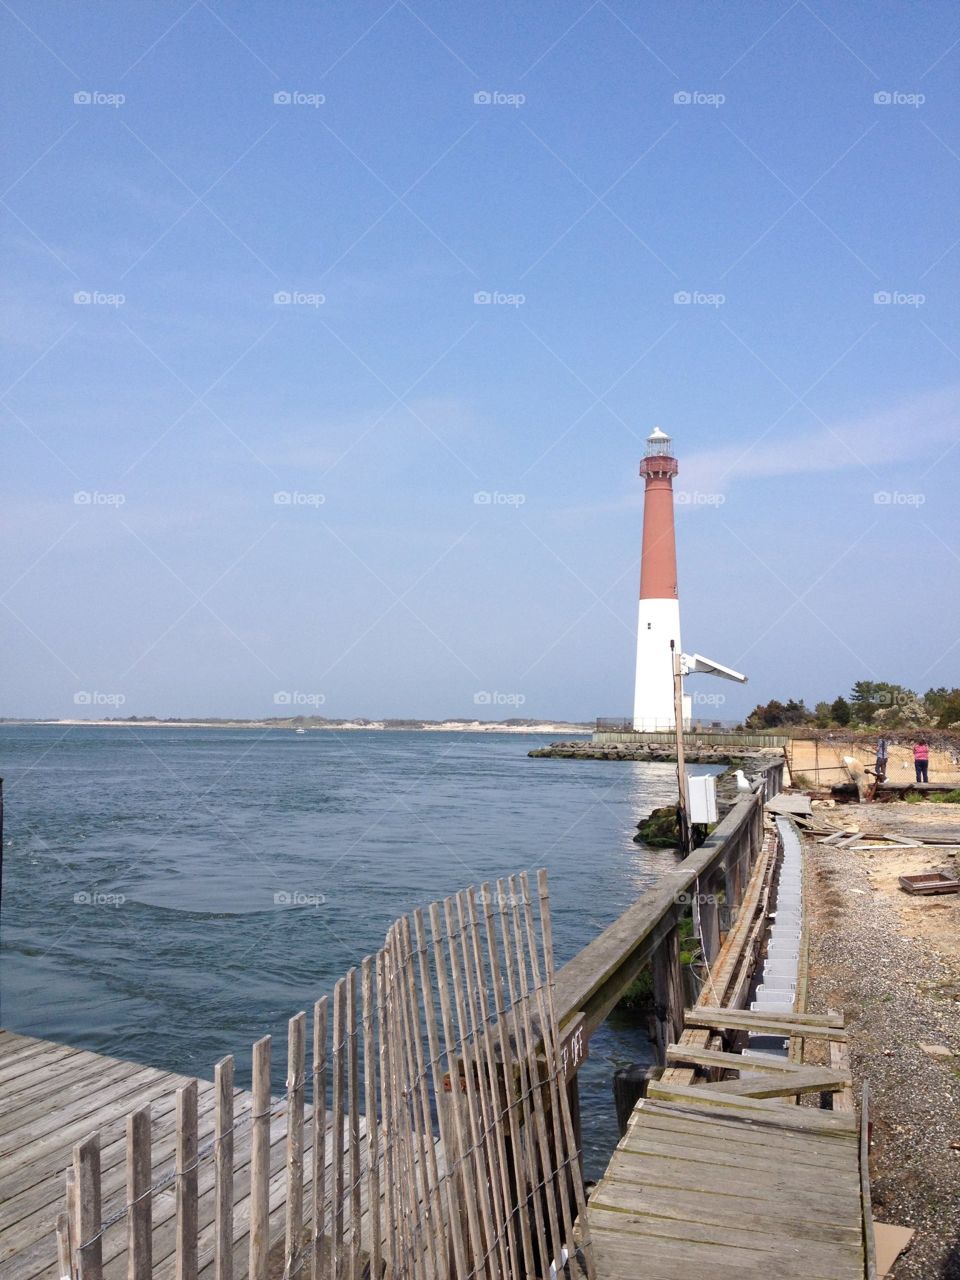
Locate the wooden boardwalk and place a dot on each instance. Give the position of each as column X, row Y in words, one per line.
column 53, row 1096
column 724, row 1179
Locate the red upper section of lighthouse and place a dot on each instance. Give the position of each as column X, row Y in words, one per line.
column 660, row 464
column 658, row 571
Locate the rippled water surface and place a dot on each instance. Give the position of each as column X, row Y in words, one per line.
column 147, row 875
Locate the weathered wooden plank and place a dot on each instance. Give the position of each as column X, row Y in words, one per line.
column 20, row 1068
column 762, row 1023
column 25, row 1216
column 800, row 1080
column 25, row 1188
column 31, row 1084
column 74, row 1104
column 840, row 1059
column 618, row 1256
column 735, row 1137
column 728, row 1061
column 797, row 1117
column 699, row 1205
column 630, row 1168
column 693, row 1232
column 30, row 1144
column 811, row 1168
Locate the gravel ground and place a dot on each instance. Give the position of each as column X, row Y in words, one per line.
column 897, row 993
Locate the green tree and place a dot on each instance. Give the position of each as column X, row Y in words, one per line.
column 867, row 697
column 943, row 705
column 774, row 714
column 948, row 711
column 766, row 715
column 797, row 712
column 840, row 711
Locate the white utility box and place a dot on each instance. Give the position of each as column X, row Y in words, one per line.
column 702, row 797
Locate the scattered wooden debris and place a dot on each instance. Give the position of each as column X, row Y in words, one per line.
column 930, row 882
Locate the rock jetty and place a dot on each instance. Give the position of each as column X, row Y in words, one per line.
column 581, row 749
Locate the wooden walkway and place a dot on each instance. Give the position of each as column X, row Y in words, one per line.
column 724, row 1179
column 53, row 1096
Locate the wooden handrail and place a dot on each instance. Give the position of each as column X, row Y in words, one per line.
column 597, row 977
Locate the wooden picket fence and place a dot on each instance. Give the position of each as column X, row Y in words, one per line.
column 447, row 1149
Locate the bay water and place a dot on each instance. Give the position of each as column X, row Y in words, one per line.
column 170, row 895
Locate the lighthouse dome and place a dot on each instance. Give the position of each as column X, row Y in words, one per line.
column 658, row 443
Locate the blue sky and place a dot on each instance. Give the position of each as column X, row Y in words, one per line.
column 792, row 170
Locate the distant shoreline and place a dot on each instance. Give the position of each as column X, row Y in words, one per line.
column 337, row 726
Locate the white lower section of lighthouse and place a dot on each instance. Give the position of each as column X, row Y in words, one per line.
column 653, row 705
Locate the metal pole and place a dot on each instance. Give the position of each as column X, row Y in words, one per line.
column 683, row 821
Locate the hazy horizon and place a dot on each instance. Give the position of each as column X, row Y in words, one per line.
column 333, row 337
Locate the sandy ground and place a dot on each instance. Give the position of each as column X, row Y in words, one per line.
column 892, row 964
column 935, row 920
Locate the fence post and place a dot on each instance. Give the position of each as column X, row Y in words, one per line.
column 668, row 992
column 86, row 1172
column 318, row 1189
column 139, row 1197
column 260, row 1163
column 709, row 919
column 223, row 1161
column 187, row 1181
column 296, row 1060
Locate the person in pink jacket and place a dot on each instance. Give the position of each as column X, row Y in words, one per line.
column 921, row 760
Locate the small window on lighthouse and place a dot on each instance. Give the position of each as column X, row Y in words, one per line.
column 649, row 626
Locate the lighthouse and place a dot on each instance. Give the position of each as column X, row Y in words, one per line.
column 658, row 620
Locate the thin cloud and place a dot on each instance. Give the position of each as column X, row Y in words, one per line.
column 913, row 429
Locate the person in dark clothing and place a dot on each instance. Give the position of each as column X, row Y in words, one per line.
column 881, row 764
column 921, row 760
